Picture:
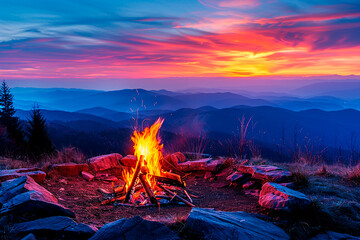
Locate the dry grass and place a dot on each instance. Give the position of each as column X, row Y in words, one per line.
column 353, row 174
column 66, row 155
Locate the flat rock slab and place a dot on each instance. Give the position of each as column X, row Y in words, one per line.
column 57, row 227
column 30, row 236
column 11, row 188
column 334, row 236
column 38, row 176
column 104, row 162
column 276, row 197
column 217, row 225
column 266, row 173
column 68, row 169
column 33, row 205
column 135, row 228
column 207, row 164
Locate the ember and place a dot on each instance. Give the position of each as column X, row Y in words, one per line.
column 147, row 184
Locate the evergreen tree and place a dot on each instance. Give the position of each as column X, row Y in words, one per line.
column 15, row 135
column 39, row 141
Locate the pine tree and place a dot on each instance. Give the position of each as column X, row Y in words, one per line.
column 15, row 136
column 39, row 140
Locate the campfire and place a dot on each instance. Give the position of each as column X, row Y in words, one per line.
column 147, row 184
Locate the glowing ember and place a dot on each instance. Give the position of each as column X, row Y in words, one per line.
column 148, row 144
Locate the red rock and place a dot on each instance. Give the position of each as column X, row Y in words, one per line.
column 68, row 169
column 248, row 184
column 104, row 162
column 38, row 176
column 276, row 197
column 87, row 176
column 129, row 161
column 181, row 157
column 266, row 173
column 198, row 165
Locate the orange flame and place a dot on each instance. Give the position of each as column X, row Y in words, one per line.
column 148, row 144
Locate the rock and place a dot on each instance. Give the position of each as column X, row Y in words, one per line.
column 129, row 161
column 288, row 185
column 38, row 176
column 266, row 173
column 63, row 181
column 11, row 188
column 181, row 157
column 276, row 197
column 104, row 162
column 208, row 175
column 217, row 225
column 87, row 176
column 207, row 164
column 334, row 236
column 33, row 205
column 248, row 184
column 57, row 227
column 196, row 156
column 68, row 169
column 135, row 228
column 30, row 236
column 238, row 177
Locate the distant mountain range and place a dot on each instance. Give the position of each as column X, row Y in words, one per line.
column 132, row 100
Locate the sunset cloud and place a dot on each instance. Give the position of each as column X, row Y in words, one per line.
column 139, row 39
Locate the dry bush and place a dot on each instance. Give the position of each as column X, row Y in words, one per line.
column 9, row 163
column 300, row 177
column 66, row 155
column 353, row 174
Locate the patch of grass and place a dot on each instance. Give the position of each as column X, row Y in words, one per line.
column 300, row 178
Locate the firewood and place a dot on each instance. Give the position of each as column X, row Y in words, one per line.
column 119, row 189
column 131, row 188
column 186, row 193
column 170, row 181
column 107, row 201
column 148, row 189
column 177, row 196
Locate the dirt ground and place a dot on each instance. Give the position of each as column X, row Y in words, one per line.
column 82, row 198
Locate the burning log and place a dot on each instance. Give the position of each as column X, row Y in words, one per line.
column 131, row 188
column 148, row 189
column 170, row 178
column 177, row 196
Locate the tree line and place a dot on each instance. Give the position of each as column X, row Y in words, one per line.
column 16, row 139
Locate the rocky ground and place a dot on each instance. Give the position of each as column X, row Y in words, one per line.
column 249, row 201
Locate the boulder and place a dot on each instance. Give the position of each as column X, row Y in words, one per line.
column 38, row 176
column 266, row 173
column 57, row 227
column 135, row 228
column 129, row 161
column 217, row 225
column 33, row 205
column 276, row 197
column 11, row 188
column 87, row 176
column 171, row 161
column 196, row 156
column 334, row 236
column 68, row 169
column 104, row 162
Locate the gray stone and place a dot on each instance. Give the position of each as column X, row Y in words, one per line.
column 38, row 176
column 11, row 188
column 33, row 205
column 135, row 228
column 217, row 225
column 104, row 162
column 266, row 173
column 276, row 197
column 334, row 236
column 57, row 227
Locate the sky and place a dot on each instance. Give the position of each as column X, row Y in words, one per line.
column 125, row 43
